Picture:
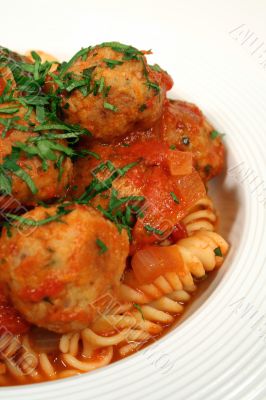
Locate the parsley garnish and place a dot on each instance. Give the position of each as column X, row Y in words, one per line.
column 137, row 306
column 175, row 198
column 27, row 92
column 109, row 106
column 112, row 63
column 10, row 165
column 5, row 182
column 83, row 53
column 150, row 229
column 156, row 68
column 31, row 222
column 130, row 52
column 106, row 91
column 173, row 147
column 102, row 246
column 97, row 186
column 121, row 211
column 218, row 252
column 214, row 134
column 153, row 85
column 143, row 107
column 59, row 165
column 9, row 110
column 207, row 168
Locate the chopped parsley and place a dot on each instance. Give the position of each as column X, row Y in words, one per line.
column 9, row 110
column 5, row 182
column 173, row 147
column 153, row 85
column 59, row 165
column 143, row 107
column 106, row 91
column 97, row 186
column 175, row 198
column 218, row 252
column 112, row 63
column 109, row 106
column 83, row 53
column 214, row 134
column 86, row 152
column 29, row 78
column 129, row 52
column 10, row 166
column 150, row 229
column 138, row 307
column 207, row 169
column 102, row 246
column 122, row 211
column 156, row 68
column 61, row 211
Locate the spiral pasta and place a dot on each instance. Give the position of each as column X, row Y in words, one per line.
column 201, row 217
column 128, row 330
column 199, row 252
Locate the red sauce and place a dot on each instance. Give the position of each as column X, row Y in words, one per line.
column 10, row 319
column 50, row 287
column 179, row 232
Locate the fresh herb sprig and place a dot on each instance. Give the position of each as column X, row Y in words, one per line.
column 120, row 210
column 60, row 212
column 102, row 246
column 10, row 166
column 98, row 186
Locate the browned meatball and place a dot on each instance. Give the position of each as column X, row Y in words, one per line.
column 48, row 181
column 29, row 172
column 122, row 92
column 59, row 275
column 183, row 125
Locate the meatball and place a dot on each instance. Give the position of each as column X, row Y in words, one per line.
column 124, row 94
column 59, row 275
column 183, row 125
column 49, row 179
column 29, row 172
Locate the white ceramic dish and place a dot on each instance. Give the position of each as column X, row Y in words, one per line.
column 209, row 47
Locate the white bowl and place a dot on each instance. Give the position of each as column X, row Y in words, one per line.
column 219, row 349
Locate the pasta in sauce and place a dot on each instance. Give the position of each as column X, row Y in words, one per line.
column 106, row 226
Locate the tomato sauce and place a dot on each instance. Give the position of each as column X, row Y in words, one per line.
column 10, row 319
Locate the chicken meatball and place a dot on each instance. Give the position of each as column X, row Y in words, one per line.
column 112, row 91
column 183, row 125
column 59, row 275
column 26, row 174
column 29, row 172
